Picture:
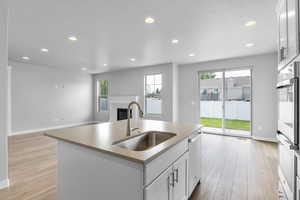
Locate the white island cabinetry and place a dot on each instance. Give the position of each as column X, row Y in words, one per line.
column 92, row 165
column 171, row 184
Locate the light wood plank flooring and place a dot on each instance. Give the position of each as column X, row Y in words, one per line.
column 237, row 169
column 32, row 168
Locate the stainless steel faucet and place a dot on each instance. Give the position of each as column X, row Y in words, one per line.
column 141, row 114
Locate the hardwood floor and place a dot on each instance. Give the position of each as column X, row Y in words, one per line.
column 32, row 168
column 237, row 169
column 233, row 169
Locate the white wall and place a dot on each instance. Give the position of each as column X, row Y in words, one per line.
column 130, row 82
column 264, row 96
column 44, row 97
column 175, row 93
column 3, row 94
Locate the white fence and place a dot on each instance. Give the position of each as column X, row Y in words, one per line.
column 153, row 106
column 240, row 110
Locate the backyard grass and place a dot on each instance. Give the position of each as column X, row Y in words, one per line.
column 229, row 124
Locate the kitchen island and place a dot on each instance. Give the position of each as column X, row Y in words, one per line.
column 101, row 162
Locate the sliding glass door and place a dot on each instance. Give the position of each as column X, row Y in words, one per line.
column 225, row 101
column 237, row 99
column 211, row 101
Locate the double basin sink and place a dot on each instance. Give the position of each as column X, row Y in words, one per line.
column 144, row 141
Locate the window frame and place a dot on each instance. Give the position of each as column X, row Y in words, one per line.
column 145, row 99
column 98, row 108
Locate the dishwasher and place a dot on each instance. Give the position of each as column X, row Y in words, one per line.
column 194, row 161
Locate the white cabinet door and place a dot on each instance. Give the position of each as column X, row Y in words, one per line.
column 162, row 187
column 292, row 24
column 282, row 32
column 298, row 189
column 180, row 168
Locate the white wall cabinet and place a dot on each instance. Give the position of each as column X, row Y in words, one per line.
column 288, row 32
column 171, row 184
column 292, row 30
column 282, row 32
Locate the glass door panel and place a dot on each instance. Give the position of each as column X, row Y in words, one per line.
column 211, row 101
column 237, row 102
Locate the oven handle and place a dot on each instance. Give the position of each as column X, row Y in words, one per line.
column 287, row 83
column 285, row 140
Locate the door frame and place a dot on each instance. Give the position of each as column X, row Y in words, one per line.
column 223, row 70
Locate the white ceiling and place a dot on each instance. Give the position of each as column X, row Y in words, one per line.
column 113, row 31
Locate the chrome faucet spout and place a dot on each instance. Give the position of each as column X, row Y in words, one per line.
column 141, row 114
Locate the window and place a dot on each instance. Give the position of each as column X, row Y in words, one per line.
column 102, row 95
column 153, row 85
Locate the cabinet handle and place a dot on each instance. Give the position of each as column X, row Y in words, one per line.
column 176, row 175
column 171, row 179
column 282, row 53
column 191, row 140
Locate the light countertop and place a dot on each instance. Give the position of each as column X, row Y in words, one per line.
column 101, row 137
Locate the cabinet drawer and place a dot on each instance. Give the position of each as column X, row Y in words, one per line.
column 162, row 162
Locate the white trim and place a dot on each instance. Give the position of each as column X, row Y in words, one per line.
column 229, row 135
column 9, row 98
column 4, row 184
column 247, row 136
column 52, row 128
column 265, row 139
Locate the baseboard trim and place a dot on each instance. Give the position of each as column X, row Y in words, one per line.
column 247, row 136
column 229, row 135
column 51, row 128
column 265, row 139
column 4, row 184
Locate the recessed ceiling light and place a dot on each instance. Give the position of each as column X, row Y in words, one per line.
column 249, row 45
column 44, row 50
column 72, row 38
column 149, row 20
column 191, row 54
column 250, row 23
column 175, row 41
column 132, row 59
column 25, row 58
column 84, row 69
column 104, row 64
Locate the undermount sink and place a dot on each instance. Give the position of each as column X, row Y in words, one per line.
column 144, row 141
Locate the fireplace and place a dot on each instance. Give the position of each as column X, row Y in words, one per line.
column 118, row 107
column 122, row 113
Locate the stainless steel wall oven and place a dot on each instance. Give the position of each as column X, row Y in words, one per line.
column 288, row 126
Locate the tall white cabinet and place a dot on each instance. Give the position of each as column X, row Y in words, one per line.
column 288, row 52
